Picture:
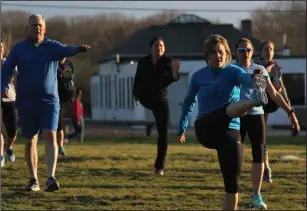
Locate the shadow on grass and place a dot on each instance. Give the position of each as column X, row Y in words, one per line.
column 173, row 140
column 44, row 199
column 17, row 192
column 70, row 159
column 111, row 172
column 86, row 198
column 170, row 187
column 148, row 173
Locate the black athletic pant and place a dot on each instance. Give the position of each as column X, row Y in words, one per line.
column 213, row 132
column 160, row 108
column 265, row 148
column 254, row 126
column 9, row 118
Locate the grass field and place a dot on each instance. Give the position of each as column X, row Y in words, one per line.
column 116, row 173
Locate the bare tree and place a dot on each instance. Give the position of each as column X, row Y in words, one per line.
column 103, row 32
column 13, row 26
column 289, row 18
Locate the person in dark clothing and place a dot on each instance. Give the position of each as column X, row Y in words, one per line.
column 155, row 72
column 66, row 95
column 253, row 123
column 274, row 70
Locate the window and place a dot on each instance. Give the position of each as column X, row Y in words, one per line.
column 97, row 94
column 132, row 100
column 124, row 93
column 128, row 93
column 295, row 85
column 105, row 91
column 115, row 86
column 92, row 95
column 109, row 92
column 120, row 93
column 101, row 92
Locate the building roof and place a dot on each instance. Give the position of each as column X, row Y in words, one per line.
column 184, row 37
column 188, row 18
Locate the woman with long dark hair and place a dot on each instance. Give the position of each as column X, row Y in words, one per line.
column 266, row 60
column 155, row 72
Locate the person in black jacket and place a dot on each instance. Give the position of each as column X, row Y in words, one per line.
column 155, row 72
column 66, row 88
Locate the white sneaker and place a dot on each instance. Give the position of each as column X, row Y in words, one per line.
column 2, row 161
column 33, row 185
column 159, row 172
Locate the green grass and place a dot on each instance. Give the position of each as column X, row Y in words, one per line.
column 116, row 172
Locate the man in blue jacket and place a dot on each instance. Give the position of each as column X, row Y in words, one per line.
column 37, row 99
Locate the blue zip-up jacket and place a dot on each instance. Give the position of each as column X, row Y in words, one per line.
column 213, row 89
column 37, row 71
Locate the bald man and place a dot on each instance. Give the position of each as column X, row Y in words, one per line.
column 37, row 99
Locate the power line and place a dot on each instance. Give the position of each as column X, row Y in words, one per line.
column 140, row 9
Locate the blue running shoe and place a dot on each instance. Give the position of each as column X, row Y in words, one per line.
column 257, row 202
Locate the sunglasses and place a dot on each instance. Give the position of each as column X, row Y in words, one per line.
column 243, row 50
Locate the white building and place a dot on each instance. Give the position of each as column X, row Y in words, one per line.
column 112, row 91
column 184, row 36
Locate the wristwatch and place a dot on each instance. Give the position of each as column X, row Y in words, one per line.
column 290, row 112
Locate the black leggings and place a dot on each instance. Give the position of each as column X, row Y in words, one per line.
column 160, row 108
column 212, row 132
column 254, row 126
column 265, row 148
column 9, row 118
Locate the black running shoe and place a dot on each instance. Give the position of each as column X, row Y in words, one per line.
column 51, row 185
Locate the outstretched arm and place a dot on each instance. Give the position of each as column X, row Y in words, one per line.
column 279, row 100
column 188, row 105
column 61, row 51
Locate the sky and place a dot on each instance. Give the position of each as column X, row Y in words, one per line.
column 225, row 17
